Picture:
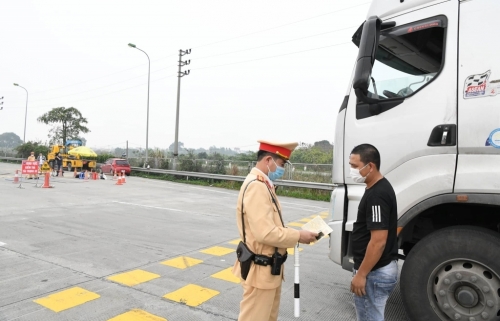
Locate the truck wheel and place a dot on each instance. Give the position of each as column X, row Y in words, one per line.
column 69, row 166
column 453, row 274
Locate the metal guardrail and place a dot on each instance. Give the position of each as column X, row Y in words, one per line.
column 301, row 184
column 17, row 159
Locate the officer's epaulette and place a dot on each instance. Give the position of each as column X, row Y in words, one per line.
column 263, row 180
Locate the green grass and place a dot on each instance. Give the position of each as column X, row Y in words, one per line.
column 304, row 193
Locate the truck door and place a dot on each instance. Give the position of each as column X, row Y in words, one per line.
column 478, row 99
column 411, row 115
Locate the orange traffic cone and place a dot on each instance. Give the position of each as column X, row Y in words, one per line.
column 16, row 177
column 119, row 182
column 46, row 183
column 123, row 178
column 75, row 175
column 114, row 176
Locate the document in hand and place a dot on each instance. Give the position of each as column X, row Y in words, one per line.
column 317, row 225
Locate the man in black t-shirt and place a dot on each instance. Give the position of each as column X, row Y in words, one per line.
column 374, row 236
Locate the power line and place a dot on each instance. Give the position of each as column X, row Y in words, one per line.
column 215, row 66
column 114, row 73
column 286, row 24
column 276, row 43
column 209, row 44
column 269, row 57
column 107, row 93
column 226, row 53
column 119, row 82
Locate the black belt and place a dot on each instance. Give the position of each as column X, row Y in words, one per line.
column 266, row 260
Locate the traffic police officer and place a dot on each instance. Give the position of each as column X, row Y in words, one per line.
column 260, row 224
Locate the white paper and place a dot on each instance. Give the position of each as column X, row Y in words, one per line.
column 317, row 225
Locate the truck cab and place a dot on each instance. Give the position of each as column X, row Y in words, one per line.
column 424, row 92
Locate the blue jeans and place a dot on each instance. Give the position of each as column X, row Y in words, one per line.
column 379, row 285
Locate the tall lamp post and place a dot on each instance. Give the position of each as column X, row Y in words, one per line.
column 25, row 113
column 131, row 45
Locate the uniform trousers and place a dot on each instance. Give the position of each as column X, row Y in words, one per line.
column 259, row 304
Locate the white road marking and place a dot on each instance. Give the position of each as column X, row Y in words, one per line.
column 149, row 206
column 168, row 209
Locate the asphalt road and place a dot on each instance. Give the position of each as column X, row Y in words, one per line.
column 146, row 250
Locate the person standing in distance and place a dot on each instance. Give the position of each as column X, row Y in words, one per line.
column 31, row 158
column 374, row 236
column 260, row 224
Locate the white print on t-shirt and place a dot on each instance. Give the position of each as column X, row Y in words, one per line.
column 376, row 214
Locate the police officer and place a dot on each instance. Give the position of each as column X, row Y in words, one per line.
column 260, row 224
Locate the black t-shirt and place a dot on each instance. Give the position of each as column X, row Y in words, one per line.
column 377, row 211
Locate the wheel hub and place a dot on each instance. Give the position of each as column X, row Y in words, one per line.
column 466, row 296
column 465, row 290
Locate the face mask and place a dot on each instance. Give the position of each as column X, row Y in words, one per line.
column 277, row 174
column 356, row 175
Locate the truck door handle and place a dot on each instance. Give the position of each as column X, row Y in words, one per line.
column 443, row 135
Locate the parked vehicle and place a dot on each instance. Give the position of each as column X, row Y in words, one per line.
column 425, row 93
column 117, row 165
column 74, row 156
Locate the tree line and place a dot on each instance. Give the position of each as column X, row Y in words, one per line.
column 69, row 123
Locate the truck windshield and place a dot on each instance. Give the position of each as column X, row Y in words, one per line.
column 407, row 58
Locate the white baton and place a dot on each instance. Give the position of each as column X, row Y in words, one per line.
column 296, row 285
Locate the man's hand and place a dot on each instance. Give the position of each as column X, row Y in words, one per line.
column 358, row 285
column 307, row 237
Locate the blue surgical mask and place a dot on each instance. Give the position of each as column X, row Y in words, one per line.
column 277, row 174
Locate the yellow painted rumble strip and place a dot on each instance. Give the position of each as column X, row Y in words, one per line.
column 137, row 315
column 226, row 275
column 67, row 299
column 235, row 242
column 217, row 251
column 291, row 250
column 192, row 295
column 133, row 277
column 182, row 262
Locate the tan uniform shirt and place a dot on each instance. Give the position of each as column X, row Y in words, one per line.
column 263, row 228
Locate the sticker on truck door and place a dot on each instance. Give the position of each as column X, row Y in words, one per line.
column 494, row 139
column 477, row 86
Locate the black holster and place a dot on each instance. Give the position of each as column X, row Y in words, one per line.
column 277, row 262
column 245, row 257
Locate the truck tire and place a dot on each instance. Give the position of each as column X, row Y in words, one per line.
column 69, row 166
column 453, row 274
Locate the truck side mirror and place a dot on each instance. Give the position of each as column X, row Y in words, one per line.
column 366, row 57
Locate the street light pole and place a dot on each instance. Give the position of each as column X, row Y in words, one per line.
column 25, row 113
column 147, row 116
column 180, row 74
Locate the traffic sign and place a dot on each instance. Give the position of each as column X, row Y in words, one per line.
column 45, row 167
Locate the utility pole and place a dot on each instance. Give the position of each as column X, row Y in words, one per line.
column 180, row 74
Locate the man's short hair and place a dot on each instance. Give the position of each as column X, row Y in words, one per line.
column 262, row 153
column 368, row 154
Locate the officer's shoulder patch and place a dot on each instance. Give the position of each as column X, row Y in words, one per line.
column 261, row 178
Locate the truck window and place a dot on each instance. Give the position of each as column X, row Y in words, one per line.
column 408, row 57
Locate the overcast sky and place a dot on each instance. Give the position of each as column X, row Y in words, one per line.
column 259, row 69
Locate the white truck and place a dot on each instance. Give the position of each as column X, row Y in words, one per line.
column 424, row 93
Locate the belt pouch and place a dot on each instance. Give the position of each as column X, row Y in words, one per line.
column 245, row 256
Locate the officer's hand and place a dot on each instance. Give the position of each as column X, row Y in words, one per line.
column 307, row 237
